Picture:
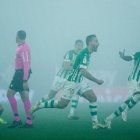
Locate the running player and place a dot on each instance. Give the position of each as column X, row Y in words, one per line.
column 134, row 82
column 20, row 81
column 74, row 84
column 61, row 77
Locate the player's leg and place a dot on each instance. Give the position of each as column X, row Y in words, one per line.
column 134, row 100
column 125, row 112
column 91, row 97
column 116, row 113
column 54, row 103
column 51, row 95
column 60, row 104
column 15, row 86
column 128, row 104
column 13, row 103
column 27, row 105
column 57, row 85
column 74, row 104
column 131, row 86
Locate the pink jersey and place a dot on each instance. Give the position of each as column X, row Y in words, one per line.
column 23, row 59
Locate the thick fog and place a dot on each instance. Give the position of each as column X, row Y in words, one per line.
column 52, row 27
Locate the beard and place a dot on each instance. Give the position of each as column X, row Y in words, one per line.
column 94, row 48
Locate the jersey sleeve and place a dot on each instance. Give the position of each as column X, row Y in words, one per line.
column 26, row 64
column 84, row 61
column 136, row 55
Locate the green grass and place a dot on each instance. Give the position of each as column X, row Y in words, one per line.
column 53, row 125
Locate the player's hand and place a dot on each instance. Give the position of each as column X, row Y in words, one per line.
column 25, row 85
column 122, row 53
column 100, row 82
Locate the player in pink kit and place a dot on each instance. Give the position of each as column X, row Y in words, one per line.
column 20, row 81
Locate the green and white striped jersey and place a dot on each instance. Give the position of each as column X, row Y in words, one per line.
column 69, row 56
column 82, row 61
column 135, row 75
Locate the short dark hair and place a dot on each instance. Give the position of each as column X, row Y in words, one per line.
column 78, row 41
column 21, row 34
column 89, row 38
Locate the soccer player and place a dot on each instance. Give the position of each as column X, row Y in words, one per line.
column 61, row 77
column 74, row 84
column 20, row 81
column 1, row 119
column 134, row 82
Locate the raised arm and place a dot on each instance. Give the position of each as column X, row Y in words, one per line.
column 83, row 69
column 125, row 57
column 90, row 77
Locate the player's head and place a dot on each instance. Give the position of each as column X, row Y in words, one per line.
column 92, row 43
column 21, row 36
column 79, row 44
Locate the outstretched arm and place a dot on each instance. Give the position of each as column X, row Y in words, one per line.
column 90, row 77
column 125, row 57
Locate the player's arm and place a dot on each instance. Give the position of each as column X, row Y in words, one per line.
column 90, row 77
column 26, row 68
column 125, row 57
column 26, row 65
column 67, row 63
column 85, row 73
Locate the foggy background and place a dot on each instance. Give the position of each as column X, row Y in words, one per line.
column 52, row 27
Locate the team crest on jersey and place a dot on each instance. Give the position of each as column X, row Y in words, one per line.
column 85, row 60
column 67, row 57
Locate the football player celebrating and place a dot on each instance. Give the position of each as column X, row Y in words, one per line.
column 62, row 76
column 134, row 90
column 74, row 84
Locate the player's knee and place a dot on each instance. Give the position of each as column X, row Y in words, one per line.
column 62, row 105
column 93, row 98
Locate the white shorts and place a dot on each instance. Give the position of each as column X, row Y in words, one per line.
column 134, row 86
column 58, row 84
column 71, row 88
